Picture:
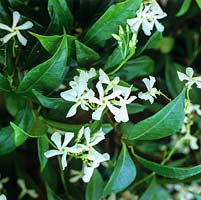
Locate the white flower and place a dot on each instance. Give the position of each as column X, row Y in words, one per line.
column 3, row 197
column 62, row 148
column 31, row 192
column 15, row 30
column 189, row 77
column 147, row 16
column 151, row 93
column 80, row 94
column 193, row 108
column 122, row 115
column 103, row 102
column 3, row 181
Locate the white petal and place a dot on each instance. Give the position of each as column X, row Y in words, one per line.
column 114, row 110
column 5, row 27
column 67, row 138
column 32, row 193
column 159, row 26
column 131, row 99
column 100, row 89
column 69, row 95
column 73, row 110
column 146, row 27
column 103, row 77
column 3, row 197
column 16, row 17
column 21, row 38
column 52, row 153
column 25, row 26
column 189, row 72
column 21, row 183
column 96, row 115
column 89, row 94
column 56, row 138
column 182, row 76
column 63, row 161
column 87, row 136
column 77, row 148
column 123, row 115
column 88, row 171
column 7, row 37
column 97, row 137
column 91, row 73
column 198, row 84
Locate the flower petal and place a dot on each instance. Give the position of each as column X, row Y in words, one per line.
column 69, row 95
column 97, row 137
column 25, row 26
column 67, row 138
column 5, row 27
column 182, row 76
column 51, row 153
column 88, row 171
column 56, row 138
column 21, row 38
column 73, row 110
column 100, row 89
column 96, row 115
column 189, row 72
column 87, row 136
column 7, row 37
column 159, row 26
column 64, row 161
column 16, row 17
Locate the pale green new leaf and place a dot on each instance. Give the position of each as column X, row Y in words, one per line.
column 109, row 22
column 162, row 124
column 123, row 174
column 184, row 8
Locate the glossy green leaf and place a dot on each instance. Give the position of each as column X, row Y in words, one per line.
column 7, row 143
column 197, row 196
column 85, row 55
column 53, row 103
column 184, row 8
column 51, row 195
column 43, row 146
column 198, row 3
column 109, row 22
column 123, row 174
column 155, row 192
column 134, row 108
column 61, row 16
column 170, row 172
column 49, row 74
column 4, row 84
column 162, row 124
column 92, row 191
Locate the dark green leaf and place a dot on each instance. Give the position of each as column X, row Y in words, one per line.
column 123, row 174
column 170, row 172
column 43, row 146
column 134, row 108
column 155, row 192
column 95, row 187
column 49, row 74
column 50, row 193
column 4, row 84
column 197, row 196
column 109, row 22
column 164, row 123
column 61, row 16
column 85, row 55
column 184, row 8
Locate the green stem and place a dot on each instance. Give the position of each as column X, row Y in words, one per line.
column 122, row 63
column 162, row 94
column 63, row 180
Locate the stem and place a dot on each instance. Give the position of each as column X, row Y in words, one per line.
column 122, row 63
column 162, row 94
column 49, row 141
column 63, row 180
column 113, row 124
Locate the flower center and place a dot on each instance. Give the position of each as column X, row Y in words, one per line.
column 103, row 101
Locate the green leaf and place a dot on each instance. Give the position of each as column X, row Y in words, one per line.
column 85, row 55
column 4, row 84
column 170, row 172
column 184, row 8
column 165, row 45
column 53, row 103
column 123, row 174
column 49, row 74
column 61, row 16
column 151, row 43
column 109, row 22
column 92, row 191
column 138, row 67
column 134, row 108
column 199, row 3
column 43, row 146
column 197, row 196
column 164, row 123
column 7, row 143
column 50, row 193
column 155, row 192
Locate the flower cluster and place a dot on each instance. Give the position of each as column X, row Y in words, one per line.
column 147, row 16
column 110, row 95
column 15, row 30
column 83, row 149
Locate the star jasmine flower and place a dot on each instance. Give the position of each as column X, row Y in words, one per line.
column 151, row 93
column 15, row 30
column 31, row 192
column 80, row 94
column 123, row 113
column 189, row 78
column 3, row 197
column 193, row 108
column 62, row 149
column 103, row 102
